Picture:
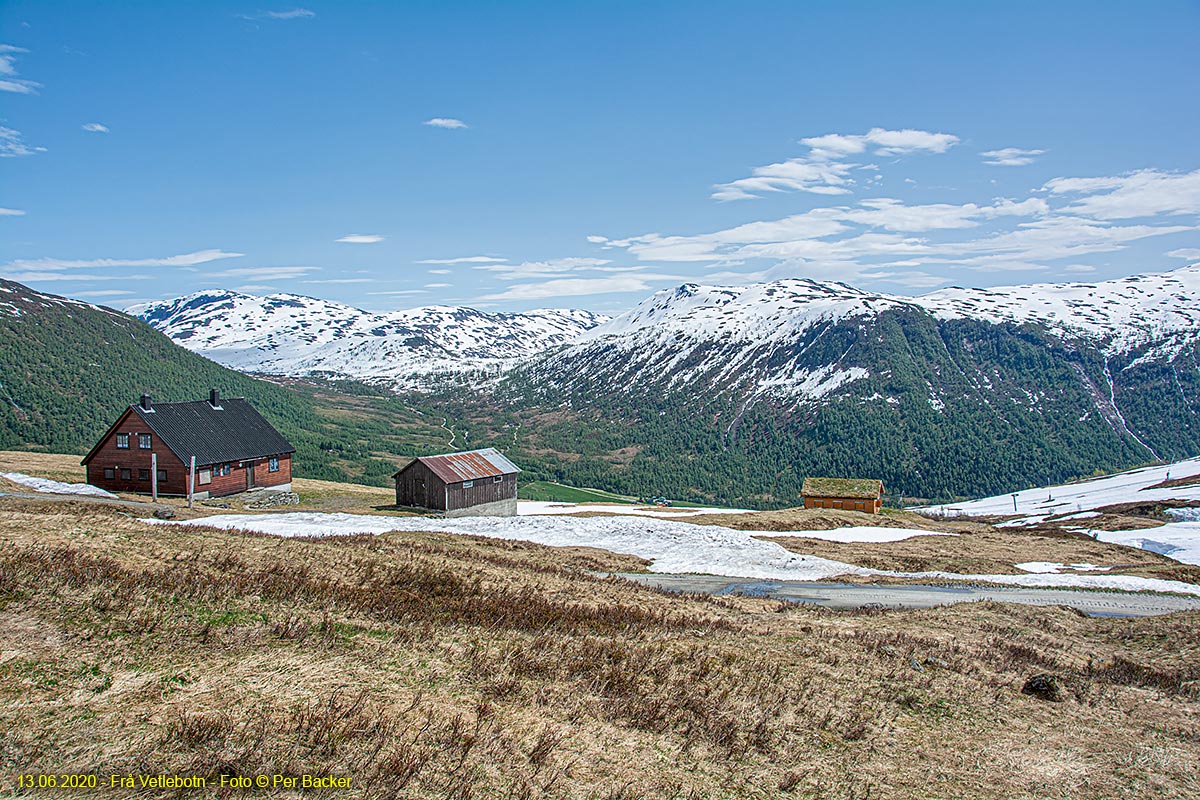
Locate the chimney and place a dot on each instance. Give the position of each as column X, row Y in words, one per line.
column 214, row 398
column 146, row 404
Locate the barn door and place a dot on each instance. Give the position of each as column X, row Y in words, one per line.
column 250, row 475
column 419, row 492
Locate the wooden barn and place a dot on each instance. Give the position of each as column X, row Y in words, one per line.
column 848, row 494
column 478, row 483
column 149, row 449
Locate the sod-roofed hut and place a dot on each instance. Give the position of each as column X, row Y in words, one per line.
column 847, row 494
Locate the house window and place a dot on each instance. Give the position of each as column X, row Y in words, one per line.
column 498, row 479
column 126, row 474
column 273, row 464
column 144, row 441
column 204, row 476
column 162, row 475
column 122, row 441
column 468, row 484
column 143, row 474
column 221, row 469
column 110, row 473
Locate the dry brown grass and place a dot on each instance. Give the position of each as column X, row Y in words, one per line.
column 433, row 666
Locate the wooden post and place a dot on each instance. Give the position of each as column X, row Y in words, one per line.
column 191, row 481
column 154, row 477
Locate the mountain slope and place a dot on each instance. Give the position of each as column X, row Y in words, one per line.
column 955, row 393
column 68, row 368
column 286, row 334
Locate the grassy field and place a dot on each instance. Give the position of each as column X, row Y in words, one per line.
column 436, row 666
column 561, row 493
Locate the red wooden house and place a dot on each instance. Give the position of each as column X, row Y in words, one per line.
column 848, row 494
column 234, row 447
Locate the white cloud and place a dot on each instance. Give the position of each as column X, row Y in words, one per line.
column 361, row 238
column 1190, row 253
column 445, row 122
column 466, row 260
column 437, row 285
column 568, row 287
column 439, row 272
column 1079, row 268
column 597, row 239
column 342, row 280
column 95, row 127
column 254, row 287
column 1143, row 193
column 265, row 273
column 185, row 260
column 103, row 293
column 400, row 292
column 1010, row 157
column 9, row 82
column 295, row 13
column 536, row 269
column 880, row 141
column 29, row 277
column 825, row 170
column 11, row 145
column 11, row 212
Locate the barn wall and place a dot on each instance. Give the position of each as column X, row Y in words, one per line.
column 481, row 490
column 499, row 508
column 417, row 485
column 135, row 459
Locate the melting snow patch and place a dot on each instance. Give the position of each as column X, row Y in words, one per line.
column 1053, row 568
column 672, row 547
column 54, row 487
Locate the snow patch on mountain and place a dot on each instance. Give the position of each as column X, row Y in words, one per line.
column 287, row 334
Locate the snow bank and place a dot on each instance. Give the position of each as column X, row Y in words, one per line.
column 672, row 547
column 54, row 487
column 859, row 533
column 530, row 508
column 1051, row 567
column 1177, row 540
column 1127, row 487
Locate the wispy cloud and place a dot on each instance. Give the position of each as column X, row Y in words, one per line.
column 361, row 238
column 12, row 146
column 568, row 287
column 266, row 273
column 104, row 293
column 399, row 292
column 1010, row 157
column 342, row 280
column 254, row 287
column 11, row 212
column 295, row 13
column 95, row 127
column 439, row 271
column 1144, row 193
column 541, row 269
column 31, row 277
column 185, row 260
column 9, row 82
column 466, row 260
column 1190, row 253
column 445, row 122
column 437, row 285
column 825, row 169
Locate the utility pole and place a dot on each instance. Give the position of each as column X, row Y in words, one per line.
column 191, row 481
column 154, row 477
column 1014, row 497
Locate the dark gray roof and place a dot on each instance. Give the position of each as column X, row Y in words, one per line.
column 231, row 431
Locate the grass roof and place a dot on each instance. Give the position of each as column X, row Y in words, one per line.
column 842, row 487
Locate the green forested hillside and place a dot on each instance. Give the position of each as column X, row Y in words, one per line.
column 67, row 370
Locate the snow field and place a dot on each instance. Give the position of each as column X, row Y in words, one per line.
column 672, row 547
column 54, row 487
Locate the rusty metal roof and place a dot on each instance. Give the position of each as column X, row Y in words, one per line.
column 469, row 466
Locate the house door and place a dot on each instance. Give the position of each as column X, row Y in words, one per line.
column 419, row 493
column 250, row 475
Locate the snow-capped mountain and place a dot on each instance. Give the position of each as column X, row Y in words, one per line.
column 286, row 334
column 723, row 336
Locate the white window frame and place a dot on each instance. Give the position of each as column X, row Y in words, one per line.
column 122, row 441
column 145, row 441
column 273, row 464
column 204, row 476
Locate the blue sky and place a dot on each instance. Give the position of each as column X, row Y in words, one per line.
column 520, row 155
